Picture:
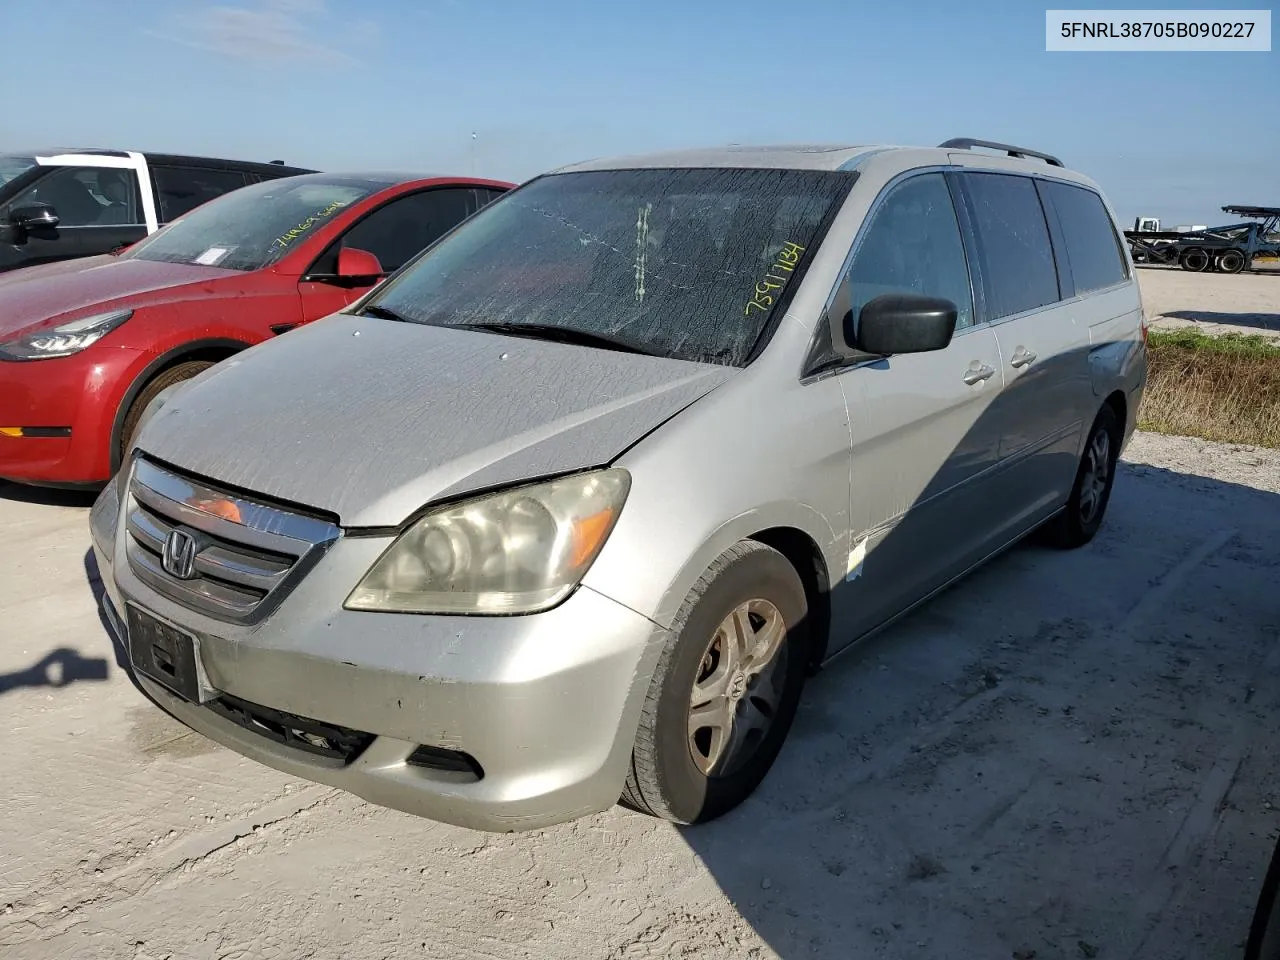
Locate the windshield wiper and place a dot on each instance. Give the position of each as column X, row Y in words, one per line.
column 385, row 313
column 549, row 331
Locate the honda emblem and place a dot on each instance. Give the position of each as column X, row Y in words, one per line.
column 179, row 555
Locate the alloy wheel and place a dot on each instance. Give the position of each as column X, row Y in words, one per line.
column 738, row 688
column 1097, row 475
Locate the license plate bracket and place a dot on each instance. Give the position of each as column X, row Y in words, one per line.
column 163, row 653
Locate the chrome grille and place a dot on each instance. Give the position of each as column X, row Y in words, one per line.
column 244, row 555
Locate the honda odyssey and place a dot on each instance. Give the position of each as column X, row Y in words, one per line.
column 567, row 510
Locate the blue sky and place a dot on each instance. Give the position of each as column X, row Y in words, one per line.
column 402, row 84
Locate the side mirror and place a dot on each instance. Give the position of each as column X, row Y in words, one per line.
column 34, row 216
column 354, row 263
column 902, row 323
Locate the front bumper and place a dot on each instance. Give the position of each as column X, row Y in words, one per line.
column 547, row 705
column 79, row 394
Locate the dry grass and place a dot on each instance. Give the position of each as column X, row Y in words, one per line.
column 1218, row 388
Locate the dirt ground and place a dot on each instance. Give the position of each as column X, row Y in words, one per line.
column 1247, row 303
column 1065, row 756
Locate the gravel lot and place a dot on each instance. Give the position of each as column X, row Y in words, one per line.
column 1247, row 303
column 1065, row 756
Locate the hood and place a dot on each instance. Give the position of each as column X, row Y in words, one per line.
column 55, row 269
column 34, row 296
column 372, row 419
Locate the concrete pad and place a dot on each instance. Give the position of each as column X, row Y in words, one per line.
column 1215, row 303
column 1067, row 754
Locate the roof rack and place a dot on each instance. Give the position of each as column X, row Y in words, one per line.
column 965, row 143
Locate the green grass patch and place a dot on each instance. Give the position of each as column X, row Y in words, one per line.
column 1224, row 388
column 1247, row 344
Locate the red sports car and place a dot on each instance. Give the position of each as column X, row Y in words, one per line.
column 86, row 344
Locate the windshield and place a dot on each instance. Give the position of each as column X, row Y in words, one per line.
column 688, row 263
column 253, row 227
column 13, row 167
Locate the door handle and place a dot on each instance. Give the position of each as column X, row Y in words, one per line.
column 978, row 374
column 1021, row 357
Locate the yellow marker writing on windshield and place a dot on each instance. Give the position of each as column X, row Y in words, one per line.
column 786, row 262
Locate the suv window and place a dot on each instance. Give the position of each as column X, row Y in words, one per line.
column 1018, row 268
column 87, row 196
column 1093, row 250
column 13, row 167
column 397, row 231
column 179, row 189
column 913, row 245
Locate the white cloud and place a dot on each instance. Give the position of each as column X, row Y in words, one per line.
column 269, row 31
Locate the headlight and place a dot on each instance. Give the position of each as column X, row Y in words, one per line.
column 64, row 339
column 519, row 551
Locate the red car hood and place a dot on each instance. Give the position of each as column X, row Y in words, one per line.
column 33, row 296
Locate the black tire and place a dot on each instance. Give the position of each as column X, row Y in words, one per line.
column 162, row 381
column 1194, row 259
column 664, row 780
column 1264, row 931
column 1231, row 261
column 1082, row 517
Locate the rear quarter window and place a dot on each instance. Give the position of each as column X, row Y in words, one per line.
column 1018, row 269
column 1092, row 247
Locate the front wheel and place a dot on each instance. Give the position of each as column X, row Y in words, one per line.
column 725, row 690
column 162, row 381
column 1077, row 524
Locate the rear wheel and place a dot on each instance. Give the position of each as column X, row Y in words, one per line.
column 1194, row 259
column 1231, row 261
column 1079, row 522
column 162, row 381
column 725, row 691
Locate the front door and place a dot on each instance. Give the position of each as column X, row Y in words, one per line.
column 395, row 233
column 325, row 294
column 924, row 442
column 99, row 210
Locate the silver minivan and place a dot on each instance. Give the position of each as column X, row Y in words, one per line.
column 568, row 509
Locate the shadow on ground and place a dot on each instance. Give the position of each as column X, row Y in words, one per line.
column 1261, row 321
column 58, row 668
column 1067, row 755
column 49, row 496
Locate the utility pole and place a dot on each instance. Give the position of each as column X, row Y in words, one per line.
column 473, row 153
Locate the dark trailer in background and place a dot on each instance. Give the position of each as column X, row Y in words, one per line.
column 1227, row 249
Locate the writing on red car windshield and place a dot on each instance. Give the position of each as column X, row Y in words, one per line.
column 294, row 233
column 779, row 272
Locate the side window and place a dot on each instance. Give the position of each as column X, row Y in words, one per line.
column 87, row 196
column 396, row 232
column 1093, row 249
column 179, row 189
column 1018, row 269
column 913, row 245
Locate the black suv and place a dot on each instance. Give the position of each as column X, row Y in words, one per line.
column 63, row 204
